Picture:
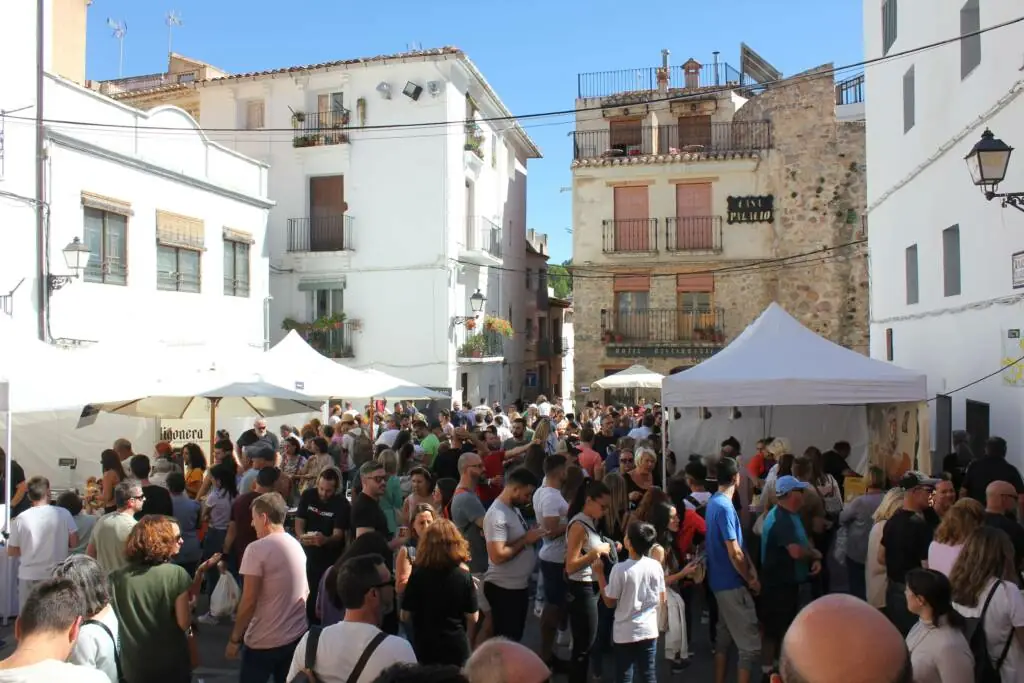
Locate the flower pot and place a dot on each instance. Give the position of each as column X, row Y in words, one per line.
column 476, row 353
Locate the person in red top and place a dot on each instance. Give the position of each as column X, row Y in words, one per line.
column 588, row 457
column 488, row 447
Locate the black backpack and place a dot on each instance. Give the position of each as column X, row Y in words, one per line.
column 698, row 507
column 985, row 670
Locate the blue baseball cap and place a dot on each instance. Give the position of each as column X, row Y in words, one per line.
column 788, row 484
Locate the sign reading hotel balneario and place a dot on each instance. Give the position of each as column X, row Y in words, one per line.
column 752, row 209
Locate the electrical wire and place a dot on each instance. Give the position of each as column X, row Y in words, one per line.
column 978, row 381
column 782, row 82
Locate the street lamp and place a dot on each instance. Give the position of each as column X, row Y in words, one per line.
column 476, row 304
column 76, row 255
column 987, row 162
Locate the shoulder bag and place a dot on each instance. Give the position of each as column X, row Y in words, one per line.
column 117, row 650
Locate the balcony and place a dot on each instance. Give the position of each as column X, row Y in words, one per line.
column 482, row 347
column 850, row 91
column 629, row 236
column 550, row 347
column 334, row 343
column 664, row 325
column 315, row 129
column 483, row 242
column 693, row 234
column 320, row 233
column 149, row 81
column 610, row 83
column 738, row 137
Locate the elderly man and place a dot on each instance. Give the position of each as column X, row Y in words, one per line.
column 502, row 661
column 841, row 639
column 1000, row 508
column 259, row 432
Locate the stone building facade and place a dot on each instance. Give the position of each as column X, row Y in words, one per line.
column 771, row 209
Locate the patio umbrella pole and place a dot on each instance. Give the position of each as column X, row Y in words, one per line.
column 8, row 445
column 213, row 423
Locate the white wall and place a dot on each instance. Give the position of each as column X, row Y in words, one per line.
column 570, row 393
column 918, row 185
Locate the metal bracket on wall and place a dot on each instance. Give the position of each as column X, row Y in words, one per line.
column 7, row 300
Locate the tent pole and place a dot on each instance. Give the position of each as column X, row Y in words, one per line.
column 213, row 423
column 8, row 445
column 664, row 450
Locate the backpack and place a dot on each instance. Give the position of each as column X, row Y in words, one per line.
column 362, row 449
column 698, row 507
column 307, row 674
column 985, row 670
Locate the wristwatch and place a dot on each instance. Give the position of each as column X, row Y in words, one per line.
column 234, row 641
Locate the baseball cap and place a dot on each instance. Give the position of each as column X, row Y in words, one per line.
column 912, row 480
column 787, row 484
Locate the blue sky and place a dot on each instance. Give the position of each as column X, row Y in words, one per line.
column 530, row 51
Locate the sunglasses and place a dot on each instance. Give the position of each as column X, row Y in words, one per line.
column 381, row 478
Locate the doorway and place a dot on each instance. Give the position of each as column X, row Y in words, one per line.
column 976, row 418
column 327, row 213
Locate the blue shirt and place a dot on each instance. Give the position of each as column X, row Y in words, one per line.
column 723, row 524
column 782, row 529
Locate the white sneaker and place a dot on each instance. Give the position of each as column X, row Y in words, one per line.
column 208, row 619
column 538, row 608
column 564, row 638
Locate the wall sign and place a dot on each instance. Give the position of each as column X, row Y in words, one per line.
column 661, row 351
column 752, row 209
column 1017, row 265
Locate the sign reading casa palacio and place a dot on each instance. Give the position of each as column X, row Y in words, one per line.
column 752, row 209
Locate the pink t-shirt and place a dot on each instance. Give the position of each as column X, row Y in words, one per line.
column 280, row 617
column 941, row 557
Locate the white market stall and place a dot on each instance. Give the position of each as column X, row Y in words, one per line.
column 633, row 377
column 782, row 379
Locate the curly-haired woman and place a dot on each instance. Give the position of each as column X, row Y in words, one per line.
column 440, row 598
column 151, row 596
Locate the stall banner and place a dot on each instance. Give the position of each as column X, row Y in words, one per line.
column 1013, row 350
column 899, row 438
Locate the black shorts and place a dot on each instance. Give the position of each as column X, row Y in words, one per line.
column 777, row 607
column 555, row 587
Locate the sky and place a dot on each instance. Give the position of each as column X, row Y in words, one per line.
column 530, row 51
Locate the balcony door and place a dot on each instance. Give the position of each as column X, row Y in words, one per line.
column 632, row 219
column 695, row 131
column 626, row 136
column 327, row 213
column 694, row 230
column 695, row 295
column 328, row 303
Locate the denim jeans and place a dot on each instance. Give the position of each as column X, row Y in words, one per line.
column 640, row 657
column 582, row 604
column 508, row 610
column 856, row 579
column 258, row 666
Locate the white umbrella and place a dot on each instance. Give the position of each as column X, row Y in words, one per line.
column 635, row 377
column 399, row 390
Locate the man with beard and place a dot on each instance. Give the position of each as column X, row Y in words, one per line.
column 320, row 525
column 488, row 447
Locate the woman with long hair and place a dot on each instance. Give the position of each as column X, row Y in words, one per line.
column 584, row 547
column 667, row 525
column 422, row 482
column 195, row 468
column 423, row 516
column 957, row 525
column 984, row 584
column 616, row 518
column 876, row 580
column 217, row 514
column 113, row 474
column 444, row 491
column 441, row 599
column 939, row 652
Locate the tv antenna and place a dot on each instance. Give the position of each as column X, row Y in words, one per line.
column 172, row 19
column 120, row 30
column 415, row 46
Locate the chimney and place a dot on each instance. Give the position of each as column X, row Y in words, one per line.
column 663, row 72
column 67, row 38
column 717, row 81
column 691, row 74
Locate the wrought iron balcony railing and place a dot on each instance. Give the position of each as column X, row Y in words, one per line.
column 335, row 343
column 483, row 235
column 629, row 236
column 482, row 345
column 685, row 136
column 665, row 325
column 134, row 83
column 850, row 91
column 608, row 83
column 693, row 233
column 320, row 233
column 313, row 129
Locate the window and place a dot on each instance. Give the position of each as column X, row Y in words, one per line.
column 951, row 261
column 106, row 236
column 328, row 302
column 331, row 109
column 908, row 100
column 626, row 135
column 177, row 269
column 236, row 268
column 889, row 25
column 970, row 46
column 888, row 343
column 911, row 274
column 529, row 329
column 254, row 115
column 529, row 279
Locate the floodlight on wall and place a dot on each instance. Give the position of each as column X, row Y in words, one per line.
column 412, row 91
column 434, row 88
column 734, row 413
column 384, row 89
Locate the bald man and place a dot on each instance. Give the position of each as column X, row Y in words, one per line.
column 841, row 639
column 502, row 661
column 1000, row 512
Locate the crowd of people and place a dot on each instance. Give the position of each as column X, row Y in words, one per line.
column 392, row 547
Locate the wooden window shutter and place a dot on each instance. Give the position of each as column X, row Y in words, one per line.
column 696, row 282
column 633, row 283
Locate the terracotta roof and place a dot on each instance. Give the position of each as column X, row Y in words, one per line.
column 413, row 54
column 131, row 94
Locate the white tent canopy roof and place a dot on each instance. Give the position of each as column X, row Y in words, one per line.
column 777, row 361
column 635, row 377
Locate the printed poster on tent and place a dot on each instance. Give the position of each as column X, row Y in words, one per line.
column 1013, row 350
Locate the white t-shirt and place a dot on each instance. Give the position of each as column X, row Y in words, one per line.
column 42, row 533
column 1005, row 613
column 637, row 585
column 548, row 502
column 640, row 433
column 388, row 438
column 701, row 497
column 95, row 648
column 340, row 647
column 50, row 670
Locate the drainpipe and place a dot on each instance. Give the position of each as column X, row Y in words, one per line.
column 43, row 291
column 266, row 322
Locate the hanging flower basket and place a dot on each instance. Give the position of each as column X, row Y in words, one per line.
column 498, row 325
column 471, row 324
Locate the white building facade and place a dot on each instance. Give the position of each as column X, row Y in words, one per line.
column 173, row 222
column 946, row 265
column 387, row 221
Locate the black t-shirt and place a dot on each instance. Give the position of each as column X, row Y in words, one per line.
column 834, row 464
column 778, row 568
column 249, row 437
column 1013, row 530
column 439, row 600
column 17, row 479
column 446, row 464
column 982, row 472
column 325, row 517
column 906, row 538
column 601, row 443
column 366, row 513
column 158, row 502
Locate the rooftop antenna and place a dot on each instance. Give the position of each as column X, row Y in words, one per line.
column 172, row 19
column 415, row 46
column 120, row 29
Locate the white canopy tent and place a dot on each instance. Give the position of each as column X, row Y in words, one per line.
column 788, row 381
column 635, row 377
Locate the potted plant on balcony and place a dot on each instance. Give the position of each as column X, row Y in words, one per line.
column 607, row 336
column 493, row 323
column 329, row 322
column 474, row 346
column 471, row 324
column 717, row 335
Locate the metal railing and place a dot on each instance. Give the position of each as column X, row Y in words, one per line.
column 133, row 83
column 608, row 83
column 320, row 233
column 693, row 233
column 736, row 136
column 483, row 235
column 850, row 91
column 333, row 343
column 482, row 345
column 551, row 346
column 629, row 235
column 666, row 325
column 313, row 129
